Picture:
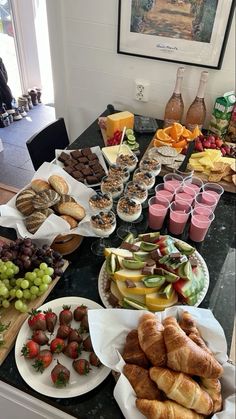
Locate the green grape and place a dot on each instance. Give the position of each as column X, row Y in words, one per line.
column 19, row 294
column 43, row 288
column 5, row 303
column 43, row 266
column 26, row 294
column 6, row 282
column 18, row 281
column 12, row 282
column 49, row 271
column 18, row 305
column 37, row 281
column 24, row 284
column 36, row 270
column 24, row 308
column 9, row 272
column 34, row 290
column 30, row 276
column 16, row 269
column 12, row 292
column 9, row 264
column 4, row 291
column 46, row 279
column 3, row 268
column 3, row 276
column 33, row 297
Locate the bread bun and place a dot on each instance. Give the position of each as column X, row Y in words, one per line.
column 73, row 209
column 70, row 220
column 34, row 221
column 39, row 185
column 45, row 199
column 59, row 184
column 64, row 198
column 24, row 202
column 47, row 211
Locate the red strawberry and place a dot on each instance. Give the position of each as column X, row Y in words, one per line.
column 60, row 375
column 40, row 337
column 84, row 326
column 57, row 345
column 43, row 360
column 30, row 349
column 37, row 320
column 79, row 312
column 72, row 350
column 81, row 366
column 87, row 344
column 51, row 319
column 65, row 316
column 63, row 331
column 74, row 336
column 94, row 360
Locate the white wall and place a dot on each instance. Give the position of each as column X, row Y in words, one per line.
column 88, row 73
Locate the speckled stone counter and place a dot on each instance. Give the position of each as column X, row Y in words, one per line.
column 81, row 279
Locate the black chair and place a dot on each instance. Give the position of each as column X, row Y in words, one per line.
column 42, row 145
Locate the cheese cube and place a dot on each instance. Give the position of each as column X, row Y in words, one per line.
column 118, row 121
column 206, row 161
column 198, row 155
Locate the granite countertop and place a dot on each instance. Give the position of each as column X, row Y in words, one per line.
column 81, row 279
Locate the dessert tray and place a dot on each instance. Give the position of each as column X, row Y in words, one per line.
column 78, row 384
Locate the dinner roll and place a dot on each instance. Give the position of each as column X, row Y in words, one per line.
column 59, row 184
column 70, row 220
column 24, row 202
column 34, row 221
column 39, row 185
column 45, row 199
column 73, row 209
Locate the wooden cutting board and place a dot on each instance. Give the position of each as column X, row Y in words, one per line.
column 16, row 319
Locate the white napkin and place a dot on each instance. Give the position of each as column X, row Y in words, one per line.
column 109, row 328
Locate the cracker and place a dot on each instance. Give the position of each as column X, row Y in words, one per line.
column 166, row 160
column 227, row 171
column 215, row 177
column 180, row 157
column 167, row 151
column 234, row 179
column 233, row 166
column 219, row 167
column 227, row 178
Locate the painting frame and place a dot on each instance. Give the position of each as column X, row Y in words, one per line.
column 207, row 54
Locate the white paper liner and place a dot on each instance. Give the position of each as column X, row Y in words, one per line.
column 53, row 225
column 109, row 328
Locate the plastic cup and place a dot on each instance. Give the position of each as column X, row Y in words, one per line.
column 185, row 175
column 157, row 210
column 200, row 223
column 214, row 189
column 172, row 180
column 194, row 183
column 185, row 193
column 205, row 199
column 162, row 192
column 179, row 214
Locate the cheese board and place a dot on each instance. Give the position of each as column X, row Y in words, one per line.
column 15, row 319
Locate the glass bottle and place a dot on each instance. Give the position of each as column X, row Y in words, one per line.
column 196, row 113
column 175, row 106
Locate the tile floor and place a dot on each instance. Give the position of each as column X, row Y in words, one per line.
column 16, row 168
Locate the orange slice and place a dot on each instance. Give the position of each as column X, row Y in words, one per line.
column 196, row 132
column 176, row 131
column 186, row 133
column 167, row 130
column 158, row 143
column 161, row 135
column 180, row 144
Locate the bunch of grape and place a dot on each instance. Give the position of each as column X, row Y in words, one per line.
column 26, row 288
column 26, row 255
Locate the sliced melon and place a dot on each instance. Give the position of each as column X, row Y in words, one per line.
column 117, row 251
column 143, row 256
column 140, row 289
column 127, row 274
column 158, row 302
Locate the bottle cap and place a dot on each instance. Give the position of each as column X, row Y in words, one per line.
column 204, row 75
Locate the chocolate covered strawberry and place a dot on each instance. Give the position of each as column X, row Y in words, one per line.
column 79, row 312
column 74, row 336
column 72, row 350
column 37, row 320
column 65, row 316
column 30, row 349
column 84, row 326
column 51, row 319
column 40, row 337
column 57, row 345
column 60, row 375
column 43, row 360
column 81, row 366
column 87, row 344
column 94, row 360
column 63, row 331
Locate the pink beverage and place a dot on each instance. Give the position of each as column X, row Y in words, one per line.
column 214, row 189
column 199, row 226
column 165, row 194
column 183, row 196
column 204, row 199
column 170, row 184
column 179, row 213
column 196, row 188
column 208, row 197
column 157, row 211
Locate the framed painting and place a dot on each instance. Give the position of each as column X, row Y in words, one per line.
column 183, row 31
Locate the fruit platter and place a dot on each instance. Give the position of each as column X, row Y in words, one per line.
column 54, row 352
column 152, row 272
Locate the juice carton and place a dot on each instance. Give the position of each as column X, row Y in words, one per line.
column 221, row 114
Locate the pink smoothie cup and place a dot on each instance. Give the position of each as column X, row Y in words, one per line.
column 200, row 223
column 162, row 192
column 205, row 199
column 194, row 183
column 172, row 180
column 179, row 214
column 185, row 193
column 157, row 210
column 213, row 189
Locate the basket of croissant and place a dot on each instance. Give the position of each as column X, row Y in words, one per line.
column 172, row 365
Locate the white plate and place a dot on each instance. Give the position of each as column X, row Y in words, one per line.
column 103, row 277
column 42, row 383
column 110, row 153
column 96, row 150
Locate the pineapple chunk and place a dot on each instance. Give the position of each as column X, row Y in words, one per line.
column 206, row 161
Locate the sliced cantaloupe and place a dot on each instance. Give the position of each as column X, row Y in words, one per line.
column 158, row 302
column 128, row 274
column 140, row 289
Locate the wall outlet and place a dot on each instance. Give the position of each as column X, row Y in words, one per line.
column 141, row 90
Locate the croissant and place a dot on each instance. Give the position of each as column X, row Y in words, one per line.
column 151, row 340
column 154, row 409
column 213, row 387
column 200, row 342
column 133, row 354
column 184, row 355
column 142, row 384
column 182, row 389
column 188, row 324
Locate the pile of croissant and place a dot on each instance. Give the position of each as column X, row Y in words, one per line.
column 172, row 371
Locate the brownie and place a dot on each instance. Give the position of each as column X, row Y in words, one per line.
column 63, row 157
column 82, row 160
column 76, row 154
column 87, row 171
column 92, row 163
column 70, row 162
column 77, row 174
column 91, row 180
column 68, row 169
column 80, row 166
column 92, row 156
column 86, row 151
